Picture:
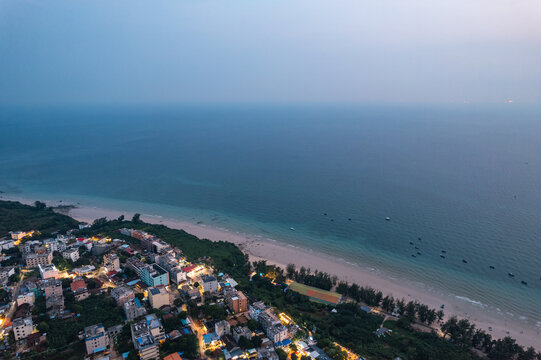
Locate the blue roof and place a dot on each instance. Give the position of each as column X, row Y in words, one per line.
column 208, row 338
column 133, row 282
column 137, row 302
column 366, row 308
column 284, row 342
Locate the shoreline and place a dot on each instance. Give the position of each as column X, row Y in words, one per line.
column 282, row 254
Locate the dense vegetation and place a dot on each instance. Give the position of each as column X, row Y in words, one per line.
column 15, row 216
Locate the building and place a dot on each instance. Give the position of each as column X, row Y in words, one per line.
column 154, row 275
column 210, row 284
column 71, row 254
column 277, row 333
column 147, row 347
column 28, row 247
column 55, row 244
column 133, row 309
column 122, row 294
column 79, row 289
column 236, row 301
column 222, row 328
column 96, row 339
column 111, row 262
column 33, row 260
column 5, row 273
column 22, row 327
column 26, row 298
column 54, row 305
column 147, row 335
column 158, row 297
column 48, row 271
column 52, row 287
column 6, row 244
column 18, row 235
column 135, row 264
column 150, row 324
column 258, row 308
column 240, row 331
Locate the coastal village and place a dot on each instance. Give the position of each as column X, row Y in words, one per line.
column 152, row 283
column 126, row 289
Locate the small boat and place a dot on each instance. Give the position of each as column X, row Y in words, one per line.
column 511, row 274
column 388, row 218
column 419, row 239
column 418, row 253
column 413, row 255
column 443, row 306
column 442, row 256
column 524, row 282
column 464, row 261
column 411, row 242
column 444, row 251
column 292, row 228
column 492, row 267
column 332, row 219
column 416, row 248
column 349, row 219
column 325, row 214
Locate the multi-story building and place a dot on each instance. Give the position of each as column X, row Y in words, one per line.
column 133, row 309
column 96, row 339
column 54, row 305
column 240, row 331
column 48, row 271
column 79, row 289
column 277, row 333
column 111, row 262
column 71, row 254
column 33, row 260
column 236, row 301
column 22, row 327
column 135, row 264
column 147, row 335
column 258, row 308
column 222, row 328
column 210, row 284
column 28, row 247
column 122, row 294
column 154, row 275
column 147, row 347
column 171, row 265
column 6, row 244
column 52, row 287
column 158, row 296
column 5, row 273
column 26, row 298
column 17, row 235
column 150, row 324
column 55, row 244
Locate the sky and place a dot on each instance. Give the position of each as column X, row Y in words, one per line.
column 269, row 51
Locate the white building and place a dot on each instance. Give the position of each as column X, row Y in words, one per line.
column 122, row 294
column 48, row 271
column 111, row 262
column 22, row 327
column 6, row 244
column 210, row 284
column 71, row 254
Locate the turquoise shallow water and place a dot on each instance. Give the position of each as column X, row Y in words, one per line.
column 464, row 179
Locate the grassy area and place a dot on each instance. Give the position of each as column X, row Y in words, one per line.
column 15, row 216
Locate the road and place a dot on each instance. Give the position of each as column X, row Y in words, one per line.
column 13, row 306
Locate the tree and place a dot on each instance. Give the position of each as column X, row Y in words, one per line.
column 503, row 349
column 244, row 343
column 290, row 271
column 282, row 355
column 252, row 325
column 256, row 341
column 121, row 218
column 40, row 205
column 43, row 327
column 136, row 218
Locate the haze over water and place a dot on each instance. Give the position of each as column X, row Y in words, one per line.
column 465, row 179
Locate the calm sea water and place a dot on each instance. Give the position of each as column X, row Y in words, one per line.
column 464, row 179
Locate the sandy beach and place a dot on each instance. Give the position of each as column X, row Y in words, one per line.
column 283, row 254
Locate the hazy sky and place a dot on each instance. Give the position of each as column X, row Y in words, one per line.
column 180, row 51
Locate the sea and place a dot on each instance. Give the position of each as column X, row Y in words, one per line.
column 432, row 194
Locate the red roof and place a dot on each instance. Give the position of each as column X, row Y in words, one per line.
column 111, row 273
column 189, row 268
column 78, row 284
